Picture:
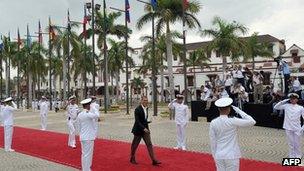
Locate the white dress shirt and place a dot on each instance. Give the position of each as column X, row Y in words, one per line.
column 223, row 94
column 44, row 107
column 72, row 111
column 181, row 112
column 239, row 74
column 228, row 82
column 7, row 114
column 94, row 108
column 257, row 79
column 145, row 110
column 86, row 120
column 223, row 135
column 296, row 85
column 205, row 94
column 293, row 113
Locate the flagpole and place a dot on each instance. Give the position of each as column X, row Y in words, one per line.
column 184, row 55
column 28, row 73
column 18, row 71
column 93, row 48
column 1, row 78
column 69, row 56
column 106, row 95
column 85, row 53
column 50, row 62
column 154, row 78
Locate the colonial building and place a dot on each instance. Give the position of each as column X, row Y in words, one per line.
column 293, row 55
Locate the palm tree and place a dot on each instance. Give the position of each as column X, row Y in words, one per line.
column 256, row 48
column 137, row 84
column 166, row 13
column 64, row 39
column 197, row 58
column 82, row 65
column 160, row 54
column 226, row 40
column 116, row 60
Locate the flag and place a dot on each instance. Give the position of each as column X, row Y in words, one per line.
column 185, row 4
column 127, row 10
column 154, row 3
column 85, row 21
column 28, row 37
column 39, row 33
column 52, row 34
column 18, row 39
column 69, row 21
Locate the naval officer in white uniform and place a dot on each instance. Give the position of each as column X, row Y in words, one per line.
column 87, row 134
column 292, row 123
column 181, row 120
column 44, row 109
column 8, row 122
column 72, row 112
column 223, row 135
column 94, row 108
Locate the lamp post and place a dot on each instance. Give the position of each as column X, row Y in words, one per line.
column 154, row 83
column 92, row 8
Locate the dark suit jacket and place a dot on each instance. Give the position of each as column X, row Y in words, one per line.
column 140, row 121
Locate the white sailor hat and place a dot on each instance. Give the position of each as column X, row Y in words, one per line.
column 291, row 95
column 8, row 99
column 86, row 101
column 180, row 96
column 223, row 102
column 72, row 97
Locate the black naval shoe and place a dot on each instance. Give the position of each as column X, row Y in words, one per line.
column 156, row 162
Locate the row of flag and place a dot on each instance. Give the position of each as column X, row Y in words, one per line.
column 52, row 33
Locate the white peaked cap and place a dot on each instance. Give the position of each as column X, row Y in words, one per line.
column 72, row 97
column 223, row 102
column 86, row 101
column 293, row 95
column 8, row 99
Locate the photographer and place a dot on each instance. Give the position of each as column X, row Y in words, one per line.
column 286, row 72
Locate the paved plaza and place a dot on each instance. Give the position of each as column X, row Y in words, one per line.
column 256, row 143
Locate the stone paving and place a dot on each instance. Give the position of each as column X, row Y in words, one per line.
column 256, row 143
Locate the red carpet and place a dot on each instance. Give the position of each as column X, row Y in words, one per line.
column 114, row 155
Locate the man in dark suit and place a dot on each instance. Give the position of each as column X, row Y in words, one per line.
column 141, row 131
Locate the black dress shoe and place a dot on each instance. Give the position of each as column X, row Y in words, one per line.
column 156, row 162
column 133, row 161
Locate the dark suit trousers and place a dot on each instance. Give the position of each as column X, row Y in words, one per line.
column 147, row 139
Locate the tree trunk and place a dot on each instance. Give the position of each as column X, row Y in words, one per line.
column 194, row 83
column 170, row 61
column 30, row 88
column 55, row 86
column 224, row 66
column 253, row 63
column 64, row 63
column 162, row 83
column 85, row 85
column 117, row 86
column 6, row 78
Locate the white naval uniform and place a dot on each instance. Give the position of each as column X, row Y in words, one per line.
column 94, row 108
column 223, row 136
column 8, row 122
column 181, row 120
column 72, row 112
column 87, row 133
column 44, row 109
column 292, row 126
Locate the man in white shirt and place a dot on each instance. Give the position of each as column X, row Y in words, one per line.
column 44, row 109
column 223, row 135
column 296, row 86
column 87, row 133
column 257, row 87
column 94, row 108
column 8, row 122
column 206, row 93
column 181, row 120
column 72, row 112
column 292, row 123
